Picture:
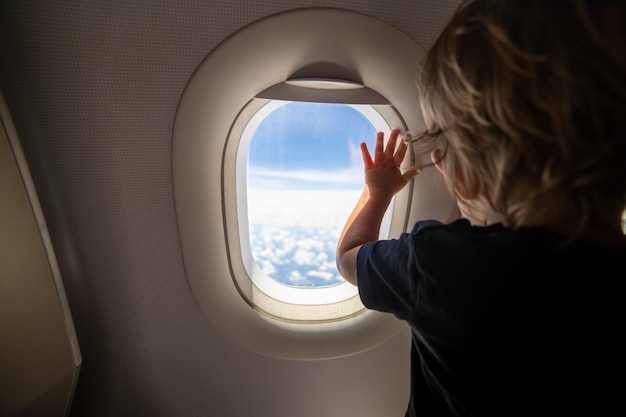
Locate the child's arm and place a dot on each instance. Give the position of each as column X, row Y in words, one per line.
column 383, row 180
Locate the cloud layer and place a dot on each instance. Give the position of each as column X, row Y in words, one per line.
column 294, row 234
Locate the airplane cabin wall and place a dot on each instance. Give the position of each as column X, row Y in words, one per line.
column 93, row 89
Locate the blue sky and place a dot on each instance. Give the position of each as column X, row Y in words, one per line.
column 309, row 145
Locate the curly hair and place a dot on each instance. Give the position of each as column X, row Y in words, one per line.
column 526, row 99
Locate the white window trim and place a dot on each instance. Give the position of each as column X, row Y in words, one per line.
column 243, row 65
column 269, row 297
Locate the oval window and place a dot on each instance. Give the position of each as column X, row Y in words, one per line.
column 297, row 169
column 221, row 184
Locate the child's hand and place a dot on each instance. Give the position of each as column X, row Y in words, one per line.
column 383, row 177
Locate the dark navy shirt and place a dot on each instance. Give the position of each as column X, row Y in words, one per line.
column 503, row 322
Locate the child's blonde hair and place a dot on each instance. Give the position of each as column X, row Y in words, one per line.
column 526, row 100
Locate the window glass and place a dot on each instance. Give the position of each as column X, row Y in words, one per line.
column 304, row 175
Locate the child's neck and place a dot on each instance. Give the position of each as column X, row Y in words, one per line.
column 478, row 214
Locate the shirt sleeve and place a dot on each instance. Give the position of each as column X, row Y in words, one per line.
column 390, row 272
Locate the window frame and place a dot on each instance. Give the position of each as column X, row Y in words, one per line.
column 267, row 296
column 369, row 51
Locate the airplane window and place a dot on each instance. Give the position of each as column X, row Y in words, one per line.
column 304, row 176
column 299, row 174
column 260, row 205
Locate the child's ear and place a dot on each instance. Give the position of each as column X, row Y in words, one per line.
column 437, row 158
column 467, row 190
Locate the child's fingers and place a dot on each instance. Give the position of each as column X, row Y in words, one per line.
column 400, row 153
column 409, row 174
column 367, row 158
column 380, row 140
column 391, row 144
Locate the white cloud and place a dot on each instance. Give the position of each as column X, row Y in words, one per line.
column 268, row 268
column 326, row 266
column 284, row 208
column 356, row 157
column 310, row 244
column 294, row 233
column 276, row 179
column 295, row 277
column 326, row 276
column 304, row 257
